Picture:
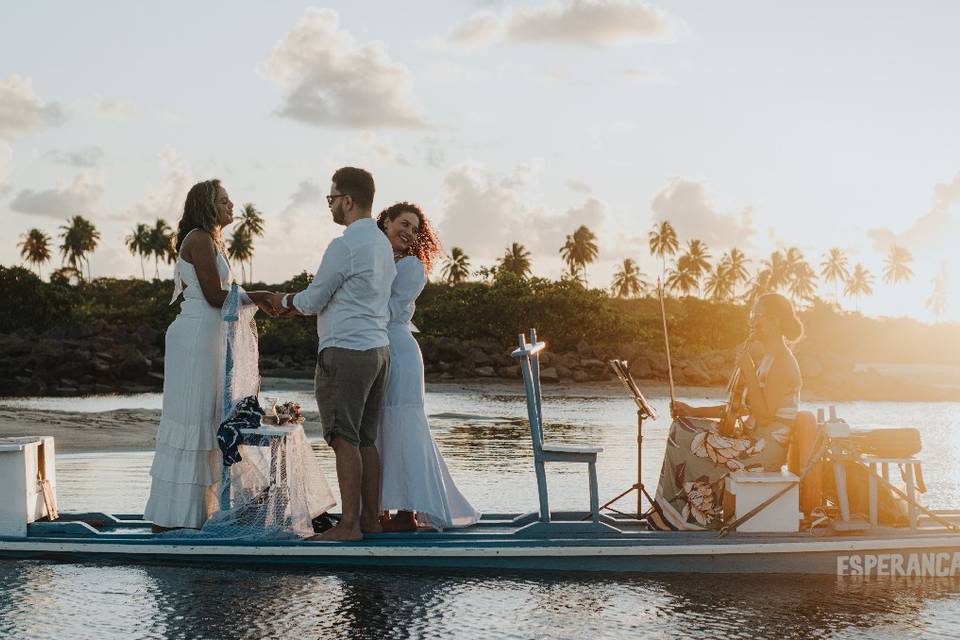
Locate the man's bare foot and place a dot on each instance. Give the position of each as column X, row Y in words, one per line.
column 339, row 533
column 370, row 525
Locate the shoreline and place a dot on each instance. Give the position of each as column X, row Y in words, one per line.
column 134, row 430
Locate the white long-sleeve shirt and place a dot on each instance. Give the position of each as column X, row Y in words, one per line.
column 350, row 294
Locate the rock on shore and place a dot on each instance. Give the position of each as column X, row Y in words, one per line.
column 98, row 358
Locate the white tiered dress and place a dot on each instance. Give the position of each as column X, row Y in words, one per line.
column 186, row 466
column 414, row 476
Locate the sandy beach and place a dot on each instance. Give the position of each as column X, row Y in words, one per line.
column 135, row 429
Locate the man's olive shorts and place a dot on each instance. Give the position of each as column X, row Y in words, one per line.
column 350, row 385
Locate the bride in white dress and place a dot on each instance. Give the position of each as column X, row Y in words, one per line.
column 186, row 466
column 415, row 480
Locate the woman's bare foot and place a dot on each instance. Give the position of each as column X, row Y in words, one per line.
column 339, row 533
column 158, row 529
column 402, row 521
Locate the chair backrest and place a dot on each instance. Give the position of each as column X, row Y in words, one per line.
column 529, row 359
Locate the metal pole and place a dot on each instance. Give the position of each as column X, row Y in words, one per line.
column 639, row 461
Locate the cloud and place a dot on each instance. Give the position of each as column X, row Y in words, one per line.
column 166, row 200
column 331, row 81
column 78, row 197
column 476, row 31
column 307, row 196
column 302, row 230
column 578, row 186
column 84, row 157
column 434, row 154
column 685, row 204
column 934, row 229
column 22, row 111
column 114, row 109
column 6, row 166
column 375, row 150
column 484, row 214
column 592, row 23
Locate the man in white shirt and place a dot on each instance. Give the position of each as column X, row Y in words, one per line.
column 350, row 296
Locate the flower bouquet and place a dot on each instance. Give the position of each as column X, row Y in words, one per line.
column 283, row 412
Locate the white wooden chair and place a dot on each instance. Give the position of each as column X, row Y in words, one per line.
column 529, row 358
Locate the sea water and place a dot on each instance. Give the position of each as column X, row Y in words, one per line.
column 486, row 442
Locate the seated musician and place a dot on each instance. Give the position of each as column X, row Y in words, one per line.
column 704, row 446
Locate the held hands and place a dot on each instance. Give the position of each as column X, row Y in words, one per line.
column 271, row 303
column 275, row 301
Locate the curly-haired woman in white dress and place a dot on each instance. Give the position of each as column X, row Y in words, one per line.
column 415, row 480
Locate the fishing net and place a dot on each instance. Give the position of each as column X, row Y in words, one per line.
column 271, row 485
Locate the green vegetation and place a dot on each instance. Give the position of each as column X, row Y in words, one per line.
column 564, row 312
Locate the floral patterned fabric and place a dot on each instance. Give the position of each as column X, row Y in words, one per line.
column 698, row 458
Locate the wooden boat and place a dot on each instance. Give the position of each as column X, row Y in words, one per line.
column 507, row 543
column 588, row 541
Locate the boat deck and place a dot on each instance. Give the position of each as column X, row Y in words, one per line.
column 510, row 542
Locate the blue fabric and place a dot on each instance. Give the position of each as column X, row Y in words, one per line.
column 246, row 415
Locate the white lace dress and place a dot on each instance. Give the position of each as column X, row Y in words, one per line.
column 414, row 475
column 185, row 475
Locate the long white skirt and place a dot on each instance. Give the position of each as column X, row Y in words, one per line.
column 185, row 475
column 414, row 476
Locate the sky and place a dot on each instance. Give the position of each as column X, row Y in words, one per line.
column 756, row 125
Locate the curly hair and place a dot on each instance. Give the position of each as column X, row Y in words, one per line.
column 200, row 211
column 426, row 246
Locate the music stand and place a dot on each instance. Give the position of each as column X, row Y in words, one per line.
column 644, row 412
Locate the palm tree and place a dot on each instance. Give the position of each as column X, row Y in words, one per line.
column 721, row 282
column 778, row 269
column 457, row 267
column 35, row 248
column 895, row 269
column 516, row 260
column 698, row 259
column 80, row 238
column 240, row 249
column 684, row 277
column 834, row 269
column 860, row 283
column 161, row 243
column 736, row 263
column 758, row 286
column 628, row 281
column 251, row 223
column 663, row 242
column 802, row 284
column 937, row 302
column 579, row 250
column 138, row 243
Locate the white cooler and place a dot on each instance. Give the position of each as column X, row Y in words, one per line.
column 750, row 489
column 25, row 465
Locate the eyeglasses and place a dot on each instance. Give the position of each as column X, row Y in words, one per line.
column 330, row 199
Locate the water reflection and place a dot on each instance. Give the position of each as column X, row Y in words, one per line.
column 39, row 600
